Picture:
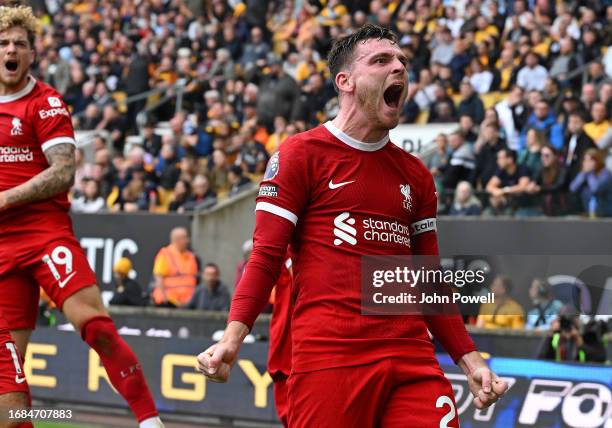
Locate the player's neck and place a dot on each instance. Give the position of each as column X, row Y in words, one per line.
column 356, row 125
column 12, row 89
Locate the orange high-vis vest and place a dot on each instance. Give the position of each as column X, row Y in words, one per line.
column 181, row 278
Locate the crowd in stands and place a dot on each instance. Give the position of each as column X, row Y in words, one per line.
column 528, row 83
column 554, row 310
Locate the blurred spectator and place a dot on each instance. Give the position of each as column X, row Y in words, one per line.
column 180, row 195
column 152, row 142
column 600, row 124
column 443, row 51
column 242, row 65
column 278, row 136
column 467, row 128
column 593, row 342
column 564, row 341
column 211, row 294
column 549, row 183
column 461, row 163
column 512, row 113
column 486, row 148
column 543, row 120
column 509, row 180
column 529, row 157
column 315, row 94
column 115, row 124
column 470, row 104
column 460, row 61
column 90, row 201
column 127, row 291
column 481, row 78
column 588, row 97
column 217, row 172
column 426, row 91
column 237, row 180
column 135, row 196
column 202, row 195
column 279, row 94
column 597, row 75
column 576, row 143
column 532, row 75
column 565, row 62
column 439, row 160
column 253, row 156
column 247, row 247
column 256, row 50
column 167, row 169
column 594, row 185
column 505, row 312
column 58, row 70
column 465, row 203
column 175, row 270
column 545, row 307
column 442, row 109
column 506, row 67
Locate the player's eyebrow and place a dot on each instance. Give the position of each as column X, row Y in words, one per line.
column 17, row 40
column 388, row 55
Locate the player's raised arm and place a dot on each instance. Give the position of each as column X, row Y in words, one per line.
column 57, row 178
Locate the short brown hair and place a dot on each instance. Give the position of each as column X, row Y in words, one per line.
column 19, row 16
column 599, row 158
column 342, row 50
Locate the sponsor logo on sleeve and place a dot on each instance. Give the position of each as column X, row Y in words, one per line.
column 422, row 226
column 272, row 168
column 54, row 102
column 45, row 114
column 269, row 190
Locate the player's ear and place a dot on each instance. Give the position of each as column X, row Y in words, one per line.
column 344, row 82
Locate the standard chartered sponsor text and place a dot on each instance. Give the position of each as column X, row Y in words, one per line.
column 386, row 231
column 15, row 154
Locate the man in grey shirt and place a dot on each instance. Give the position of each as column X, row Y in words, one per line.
column 211, row 294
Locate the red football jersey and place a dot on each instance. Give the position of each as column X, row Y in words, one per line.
column 347, row 199
column 279, row 356
column 32, row 121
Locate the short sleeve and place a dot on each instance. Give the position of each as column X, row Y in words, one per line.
column 284, row 189
column 160, row 266
column 52, row 122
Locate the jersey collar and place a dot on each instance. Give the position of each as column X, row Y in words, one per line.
column 21, row 93
column 356, row 144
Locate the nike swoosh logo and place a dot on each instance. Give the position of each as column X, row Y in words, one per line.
column 65, row 281
column 19, row 379
column 333, row 186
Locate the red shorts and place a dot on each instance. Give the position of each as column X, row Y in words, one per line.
column 387, row 394
column 280, row 400
column 58, row 265
column 12, row 378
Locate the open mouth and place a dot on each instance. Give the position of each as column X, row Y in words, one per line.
column 393, row 94
column 11, row 65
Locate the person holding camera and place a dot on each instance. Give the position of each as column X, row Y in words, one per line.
column 564, row 343
column 545, row 307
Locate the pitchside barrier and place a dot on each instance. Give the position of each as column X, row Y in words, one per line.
column 218, row 235
column 61, row 368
